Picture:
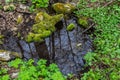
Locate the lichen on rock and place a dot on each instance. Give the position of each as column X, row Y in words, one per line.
column 44, row 27
column 63, row 7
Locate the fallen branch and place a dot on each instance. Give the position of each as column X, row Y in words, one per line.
column 88, row 28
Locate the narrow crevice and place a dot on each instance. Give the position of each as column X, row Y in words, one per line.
column 21, row 49
column 30, row 50
column 53, row 48
column 42, row 50
column 68, row 36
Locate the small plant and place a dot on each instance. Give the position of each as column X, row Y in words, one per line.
column 104, row 62
column 40, row 3
column 10, row 7
column 28, row 71
column 8, row 1
column 1, row 7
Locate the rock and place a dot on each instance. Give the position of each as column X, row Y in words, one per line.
column 10, row 7
column 63, row 7
column 14, row 75
column 70, row 27
column 24, row 7
column 83, row 21
column 8, row 55
column 45, row 25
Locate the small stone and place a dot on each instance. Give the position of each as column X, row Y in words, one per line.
column 23, row 7
column 79, row 44
column 8, row 55
column 14, row 75
column 14, row 29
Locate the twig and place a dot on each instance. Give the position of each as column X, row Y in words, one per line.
column 108, row 3
column 88, row 28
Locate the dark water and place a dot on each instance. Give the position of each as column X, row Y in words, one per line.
column 65, row 48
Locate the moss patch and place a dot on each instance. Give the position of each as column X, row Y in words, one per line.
column 83, row 21
column 70, row 27
column 44, row 27
column 63, row 8
column 1, row 39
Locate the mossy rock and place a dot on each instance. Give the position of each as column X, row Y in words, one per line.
column 63, row 7
column 8, row 55
column 44, row 27
column 83, row 21
column 41, row 16
column 70, row 27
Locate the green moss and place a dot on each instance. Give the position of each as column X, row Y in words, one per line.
column 1, row 36
column 19, row 19
column 37, row 38
column 83, row 21
column 1, row 7
column 1, row 39
column 45, row 25
column 41, row 16
column 63, row 8
column 70, row 27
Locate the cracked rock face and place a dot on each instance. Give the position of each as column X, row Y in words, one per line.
column 69, row 47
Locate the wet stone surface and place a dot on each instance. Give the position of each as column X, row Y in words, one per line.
column 69, row 47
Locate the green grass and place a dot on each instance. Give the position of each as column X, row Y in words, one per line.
column 104, row 62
